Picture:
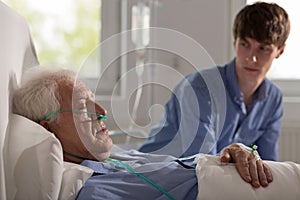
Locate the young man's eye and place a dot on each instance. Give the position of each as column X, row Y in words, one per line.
column 243, row 44
column 265, row 49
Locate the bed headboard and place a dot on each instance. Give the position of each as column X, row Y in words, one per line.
column 16, row 53
column 31, row 162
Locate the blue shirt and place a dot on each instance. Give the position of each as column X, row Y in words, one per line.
column 206, row 113
column 111, row 182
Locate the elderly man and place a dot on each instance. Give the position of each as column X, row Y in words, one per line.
column 59, row 102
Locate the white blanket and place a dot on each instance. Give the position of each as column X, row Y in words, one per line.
column 220, row 181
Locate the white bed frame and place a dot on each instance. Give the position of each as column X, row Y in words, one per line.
column 16, row 53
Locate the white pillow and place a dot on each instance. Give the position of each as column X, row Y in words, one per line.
column 34, row 161
column 216, row 181
column 74, row 177
column 34, row 164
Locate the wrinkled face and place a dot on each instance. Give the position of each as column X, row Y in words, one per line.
column 254, row 59
column 81, row 134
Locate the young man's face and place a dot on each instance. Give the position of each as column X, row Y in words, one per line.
column 81, row 134
column 254, row 59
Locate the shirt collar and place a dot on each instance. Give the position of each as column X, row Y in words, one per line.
column 231, row 77
column 98, row 167
column 234, row 90
column 261, row 93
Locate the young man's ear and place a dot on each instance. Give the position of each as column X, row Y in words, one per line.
column 280, row 51
column 45, row 124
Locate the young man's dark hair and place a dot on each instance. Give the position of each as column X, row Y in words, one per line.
column 265, row 22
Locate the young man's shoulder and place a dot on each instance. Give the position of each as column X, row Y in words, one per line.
column 272, row 88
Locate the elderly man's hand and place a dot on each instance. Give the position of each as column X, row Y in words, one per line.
column 250, row 167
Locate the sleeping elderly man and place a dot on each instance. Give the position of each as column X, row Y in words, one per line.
column 63, row 105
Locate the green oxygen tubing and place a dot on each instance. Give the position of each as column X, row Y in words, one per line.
column 133, row 171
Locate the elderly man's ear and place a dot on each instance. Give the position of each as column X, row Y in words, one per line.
column 45, row 124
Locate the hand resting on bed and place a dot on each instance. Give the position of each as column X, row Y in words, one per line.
column 250, row 167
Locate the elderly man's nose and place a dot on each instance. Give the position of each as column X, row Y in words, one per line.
column 100, row 109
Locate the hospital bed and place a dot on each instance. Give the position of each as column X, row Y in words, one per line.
column 31, row 162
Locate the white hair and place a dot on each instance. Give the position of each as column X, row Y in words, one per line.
column 38, row 94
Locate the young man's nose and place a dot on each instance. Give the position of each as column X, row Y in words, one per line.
column 252, row 56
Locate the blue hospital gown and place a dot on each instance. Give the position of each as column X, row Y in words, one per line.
column 111, row 182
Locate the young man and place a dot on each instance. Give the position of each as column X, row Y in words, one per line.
column 65, row 106
column 251, row 109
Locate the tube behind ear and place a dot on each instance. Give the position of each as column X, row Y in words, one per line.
column 45, row 124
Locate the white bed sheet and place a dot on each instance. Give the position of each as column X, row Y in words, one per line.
column 220, row 181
